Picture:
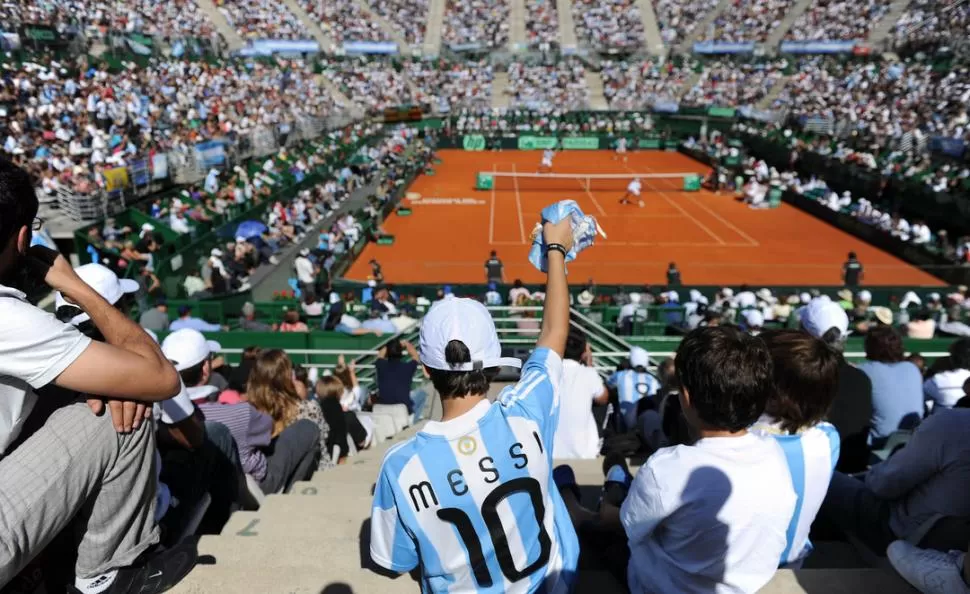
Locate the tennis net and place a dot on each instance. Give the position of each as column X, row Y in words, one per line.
column 593, row 182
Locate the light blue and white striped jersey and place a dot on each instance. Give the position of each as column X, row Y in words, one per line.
column 472, row 499
column 811, row 454
column 631, row 386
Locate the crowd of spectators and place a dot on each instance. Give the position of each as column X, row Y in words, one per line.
column 556, row 86
column 638, row 85
column 732, row 85
column 837, row 20
column 67, row 126
column 263, row 19
column 748, row 21
column 371, row 85
column 933, row 22
column 344, row 21
column 541, row 23
column 608, row 24
column 451, row 86
column 550, row 120
column 480, row 23
column 678, row 19
column 408, row 17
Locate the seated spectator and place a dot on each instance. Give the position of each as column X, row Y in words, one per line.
column 923, row 326
column 927, row 477
column 394, row 377
column 577, row 435
column 101, row 463
column 293, row 323
column 735, row 484
column 806, row 376
column 311, row 306
column 851, row 412
column 944, row 388
column 271, row 390
column 185, row 320
column 248, row 321
column 930, row 571
column 897, row 385
column 632, row 385
column 156, row 318
column 343, row 424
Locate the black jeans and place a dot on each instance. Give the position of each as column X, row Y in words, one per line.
column 291, row 457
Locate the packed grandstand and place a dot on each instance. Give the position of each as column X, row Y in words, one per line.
column 274, row 316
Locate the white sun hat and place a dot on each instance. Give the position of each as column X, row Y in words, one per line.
column 468, row 321
column 104, row 281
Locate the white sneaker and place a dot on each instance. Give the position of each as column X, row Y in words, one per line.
column 930, row 572
column 641, row 204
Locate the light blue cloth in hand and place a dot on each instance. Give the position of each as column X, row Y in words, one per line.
column 584, row 232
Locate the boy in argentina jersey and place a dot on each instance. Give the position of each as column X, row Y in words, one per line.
column 471, row 498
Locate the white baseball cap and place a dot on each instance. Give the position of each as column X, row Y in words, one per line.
column 754, row 318
column 864, row 296
column 468, row 321
column 639, row 357
column 147, row 227
column 187, row 348
column 104, row 281
column 821, row 315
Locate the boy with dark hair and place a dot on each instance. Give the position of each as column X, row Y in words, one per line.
column 711, row 516
column 577, row 435
column 471, row 498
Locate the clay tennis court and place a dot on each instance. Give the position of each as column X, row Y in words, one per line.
column 713, row 239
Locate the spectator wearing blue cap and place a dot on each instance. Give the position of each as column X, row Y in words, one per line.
column 493, row 297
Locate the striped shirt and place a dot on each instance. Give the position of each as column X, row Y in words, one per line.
column 473, row 501
column 811, row 454
column 250, row 429
column 631, row 386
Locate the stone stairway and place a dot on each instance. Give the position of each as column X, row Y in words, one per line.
column 500, row 84
column 567, row 29
column 325, row 41
column 884, row 27
column 434, row 28
column 338, row 95
column 233, row 40
column 692, row 80
column 771, row 44
column 776, row 90
column 597, row 99
column 390, row 31
column 651, row 30
column 687, row 45
column 518, row 38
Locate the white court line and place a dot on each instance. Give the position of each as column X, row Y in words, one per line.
column 593, row 198
column 491, row 213
column 518, row 206
column 727, row 224
column 681, row 209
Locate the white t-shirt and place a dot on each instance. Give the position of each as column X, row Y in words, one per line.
column 634, row 187
column 576, row 434
column 35, row 348
column 709, row 518
column 946, row 388
column 304, row 270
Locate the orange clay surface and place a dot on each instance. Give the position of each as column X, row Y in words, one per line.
column 713, row 239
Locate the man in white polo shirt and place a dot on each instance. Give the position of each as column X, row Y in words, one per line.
column 77, row 457
column 577, row 435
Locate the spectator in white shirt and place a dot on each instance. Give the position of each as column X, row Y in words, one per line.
column 577, row 435
column 945, row 388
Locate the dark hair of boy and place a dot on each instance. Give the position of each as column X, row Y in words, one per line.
column 575, row 344
column 194, row 375
column 394, row 350
column 726, row 376
column 457, row 384
column 960, row 354
column 806, row 373
column 884, row 344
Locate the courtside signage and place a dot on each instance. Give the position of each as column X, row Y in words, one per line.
column 473, row 142
column 581, row 143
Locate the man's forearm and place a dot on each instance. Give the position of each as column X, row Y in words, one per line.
column 555, row 313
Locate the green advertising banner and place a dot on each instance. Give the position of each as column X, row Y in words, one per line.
column 581, row 143
column 721, row 112
column 473, row 142
column 649, row 143
column 533, row 143
column 39, row 34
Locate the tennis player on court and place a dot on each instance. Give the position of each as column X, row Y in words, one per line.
column 471, row 498
column 620, row 149
column 546, row 165
column 632, row 190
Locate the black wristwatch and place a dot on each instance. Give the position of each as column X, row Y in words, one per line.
column 557, row 247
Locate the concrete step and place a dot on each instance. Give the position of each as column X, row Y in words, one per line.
column 836, row 581
column 775, row 37
column 692, row 80
column 518, row 40
column 651, row 30
column 433, row 28
column 567, row 28
column 312, row 25
column 385, row 26
column 687, row 45
column 884, row 28
column 233, row 40
column 597, row 99
column 773, row 94
column 500, row 84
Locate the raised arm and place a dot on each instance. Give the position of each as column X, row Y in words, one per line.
column 129, row 365
column 555, row 312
